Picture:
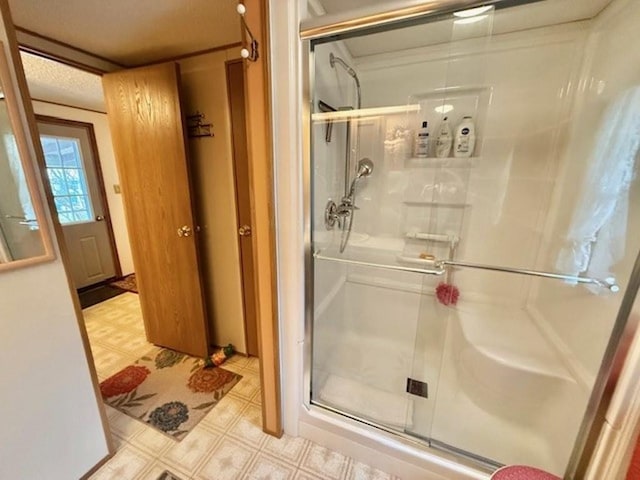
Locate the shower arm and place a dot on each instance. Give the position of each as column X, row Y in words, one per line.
column 352, row 73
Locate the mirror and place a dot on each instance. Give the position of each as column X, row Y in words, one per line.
column 24, row 238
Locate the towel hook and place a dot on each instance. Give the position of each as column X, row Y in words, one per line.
column 251, row 55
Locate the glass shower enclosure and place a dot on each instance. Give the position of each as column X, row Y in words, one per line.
column 475, row 217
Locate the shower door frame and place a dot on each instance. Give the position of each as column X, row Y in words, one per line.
column 370, row 20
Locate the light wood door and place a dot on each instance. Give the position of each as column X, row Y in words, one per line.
column 70, row 155
column 235, row 83
column 146, row 121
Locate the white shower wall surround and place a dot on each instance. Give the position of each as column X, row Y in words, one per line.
column 580, row 323
column 510, row 368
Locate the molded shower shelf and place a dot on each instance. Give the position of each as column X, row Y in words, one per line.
column 397, row 263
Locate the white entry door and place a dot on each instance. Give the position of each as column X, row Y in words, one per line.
column 69, row 152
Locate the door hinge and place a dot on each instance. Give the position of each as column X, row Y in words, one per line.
column 416, row 387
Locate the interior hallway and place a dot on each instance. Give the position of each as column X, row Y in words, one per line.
column 227, row 444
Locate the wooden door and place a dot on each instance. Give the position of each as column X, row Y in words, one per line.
column 70, row 155
column 146, row 121
column 235, row 84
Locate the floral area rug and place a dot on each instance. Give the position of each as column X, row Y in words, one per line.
column 168, row 390
column 127, row 283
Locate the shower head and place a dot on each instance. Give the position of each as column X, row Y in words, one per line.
column 365, row 168
column 333, row 60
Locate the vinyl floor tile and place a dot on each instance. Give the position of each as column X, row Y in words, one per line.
column 228, row 444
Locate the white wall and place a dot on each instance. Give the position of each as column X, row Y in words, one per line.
column 51, row 426
column 497, row 203
column 580, row 320
column 204, row 87
column 51, row 422
column 109, row 171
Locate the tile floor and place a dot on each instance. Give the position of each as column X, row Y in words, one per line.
column 227, row 444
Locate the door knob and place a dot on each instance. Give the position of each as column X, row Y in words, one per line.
column 99, row 218
column 185, row 231
column 245, row 231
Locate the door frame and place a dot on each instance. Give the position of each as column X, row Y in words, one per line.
column 261, row 177
column 101, row 187
column 242, row 182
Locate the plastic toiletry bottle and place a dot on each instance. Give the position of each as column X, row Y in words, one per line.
column 465, row 140
column 422, row 141
column 444, row 140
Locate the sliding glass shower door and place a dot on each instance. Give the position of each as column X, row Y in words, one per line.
column 475, row 218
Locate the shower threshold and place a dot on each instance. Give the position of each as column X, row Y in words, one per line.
column 436, row 447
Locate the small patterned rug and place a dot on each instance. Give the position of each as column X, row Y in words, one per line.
column 168, row 390
column 127, row 283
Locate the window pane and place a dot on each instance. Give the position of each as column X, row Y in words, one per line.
column 69, row 153
column 69, row 160
column 74, row 186
column 63, row 204
column 67, row 178
column 81, row 216
column 52, row 160
column 66, row 218
column 56, row 178
column 49, row 145
column 78, row 202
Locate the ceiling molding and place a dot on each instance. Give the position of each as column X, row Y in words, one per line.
column 64, row 61
column 194, row 54
column 59, row 104
column 56, row 50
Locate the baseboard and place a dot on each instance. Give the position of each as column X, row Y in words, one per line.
column 99, row 284
column 97, row 466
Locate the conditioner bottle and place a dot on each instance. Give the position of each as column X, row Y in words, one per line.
column 444, row 140
column 465, row 140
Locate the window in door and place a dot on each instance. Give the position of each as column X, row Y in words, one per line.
column 68, row 179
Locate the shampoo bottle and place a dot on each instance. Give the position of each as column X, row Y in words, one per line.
column 444, row 140
column 422, row 142
column 465, row 139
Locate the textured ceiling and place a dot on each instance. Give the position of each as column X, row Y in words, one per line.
column 55, row 82
column 132, row 32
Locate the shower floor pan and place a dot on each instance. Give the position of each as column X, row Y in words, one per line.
column 497, row 391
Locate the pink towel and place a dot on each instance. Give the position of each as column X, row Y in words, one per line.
column 522, row 472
